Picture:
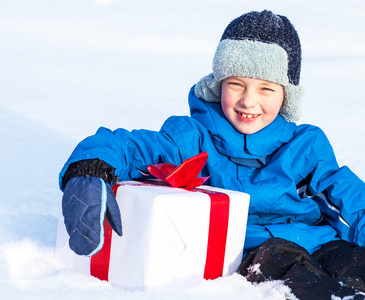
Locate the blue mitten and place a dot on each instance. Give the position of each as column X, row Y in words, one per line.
column 85, row 203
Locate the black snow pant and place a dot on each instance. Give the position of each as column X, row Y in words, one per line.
column 335, row 271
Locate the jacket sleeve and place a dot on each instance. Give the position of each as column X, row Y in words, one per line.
column 339, row 193
column 129, row 153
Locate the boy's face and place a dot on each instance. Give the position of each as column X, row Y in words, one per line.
column 250, row 104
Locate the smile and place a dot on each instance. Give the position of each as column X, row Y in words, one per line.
column 248, row 116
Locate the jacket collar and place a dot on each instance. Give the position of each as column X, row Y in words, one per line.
column 231, row 142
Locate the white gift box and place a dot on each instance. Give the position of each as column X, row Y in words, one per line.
column 166, row 233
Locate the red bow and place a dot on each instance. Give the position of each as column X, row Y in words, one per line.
column 183, row 176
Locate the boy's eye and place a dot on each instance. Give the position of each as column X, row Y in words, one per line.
column 234, row 83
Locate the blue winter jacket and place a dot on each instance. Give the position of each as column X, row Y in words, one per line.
column 298, row 192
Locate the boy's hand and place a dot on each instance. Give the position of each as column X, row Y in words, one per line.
column 85, row 203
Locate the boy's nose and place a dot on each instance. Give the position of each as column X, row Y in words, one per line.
column 248, row 99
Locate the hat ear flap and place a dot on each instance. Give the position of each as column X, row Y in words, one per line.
column 291, row 110
column 208, row 89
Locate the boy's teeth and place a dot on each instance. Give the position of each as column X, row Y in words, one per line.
column 248, row 116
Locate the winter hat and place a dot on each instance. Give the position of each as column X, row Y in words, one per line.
column 259, row 45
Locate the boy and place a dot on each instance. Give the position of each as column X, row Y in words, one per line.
column 305, row 221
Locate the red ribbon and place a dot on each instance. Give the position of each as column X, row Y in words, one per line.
column 99, row 264
column 217, row 236
column 183, row 176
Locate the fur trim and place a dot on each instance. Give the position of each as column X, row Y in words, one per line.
column 209, row 89
column 291, row 110
column 251, row 59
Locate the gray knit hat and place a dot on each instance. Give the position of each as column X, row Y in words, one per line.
column 259, row 45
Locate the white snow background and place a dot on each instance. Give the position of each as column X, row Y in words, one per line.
column 68, row 67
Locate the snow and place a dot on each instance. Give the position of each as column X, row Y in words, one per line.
column 70, row 66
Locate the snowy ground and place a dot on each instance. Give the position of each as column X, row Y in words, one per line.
column 70, row 66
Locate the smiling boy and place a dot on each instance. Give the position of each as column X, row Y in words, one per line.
column 306, row 222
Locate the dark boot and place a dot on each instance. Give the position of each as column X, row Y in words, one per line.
column 278, row 259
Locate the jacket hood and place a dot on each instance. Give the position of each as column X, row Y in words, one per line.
column 231, row 142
